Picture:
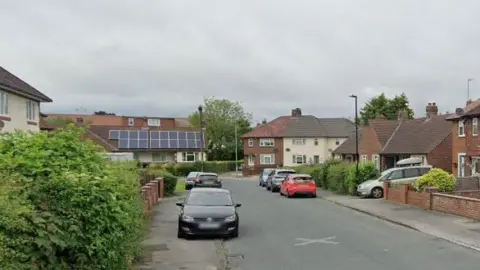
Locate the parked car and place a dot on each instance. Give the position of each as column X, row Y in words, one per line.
column 208, row 211
column 298, row 184
column 276, row 177
column 263, row 177
column 206, row 179
column 398, row 175
column 190, row 181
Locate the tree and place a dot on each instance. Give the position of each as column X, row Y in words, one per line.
column 220, row 116
column 388, row 108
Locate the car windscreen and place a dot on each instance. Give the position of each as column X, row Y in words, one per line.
column 302, row 179
column 284, row 173
column 192, row 174
column 209, row 199
column 208, row 177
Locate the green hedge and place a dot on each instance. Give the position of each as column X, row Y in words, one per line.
column 169, row 180
column 182, row 169
column 339, row 176
column 438, row 178
column 64, row 206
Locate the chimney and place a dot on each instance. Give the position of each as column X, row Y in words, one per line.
column 459, row 111
column 296, row 112
column 432, row 110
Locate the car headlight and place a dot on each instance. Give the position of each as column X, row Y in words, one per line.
column 187, row 218
column 360, row 186
column 231, row 218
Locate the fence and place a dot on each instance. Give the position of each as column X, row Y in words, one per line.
column 461, row 203
column 468, row 183
column 152, row 189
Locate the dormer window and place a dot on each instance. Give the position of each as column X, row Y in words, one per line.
column 131, row 121
column 153, row 122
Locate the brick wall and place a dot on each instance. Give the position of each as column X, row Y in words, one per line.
column 152, row 189
column 461, row 203
column 256, row 150
column 441, row 156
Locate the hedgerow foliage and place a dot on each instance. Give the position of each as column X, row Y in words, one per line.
column 63, row 206
column 438, row 178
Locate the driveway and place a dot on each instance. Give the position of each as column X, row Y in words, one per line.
column 277, row 233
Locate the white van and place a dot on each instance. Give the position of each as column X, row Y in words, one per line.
column 398, row 175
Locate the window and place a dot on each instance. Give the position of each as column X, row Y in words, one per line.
column 267, row 142
column 398, row 174
column 475, row 126
column 461, row 129
column 364, row 158
column 476, row 166
column 376, row 160
column 251, row 160
column 315, row 142
column 188, row 156
column 337, row 142
column 153, row 122
column 298, row 141
column 267, row 159
column 411, row 172
column 299, row 159
column 316, row 159
column 159, row 157
column 461, row 164
column 31, row 112
column 3, row 103
column 250, row 142
column 131, row 121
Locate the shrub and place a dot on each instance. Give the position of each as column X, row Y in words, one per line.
column 64, row 206
column 324, row 173
column 337, row 174
column 182, row 169
column 366, row 171
column 438, row 178
column 169, row 180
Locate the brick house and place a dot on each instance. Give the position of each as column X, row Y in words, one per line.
column 19, row 104
column 428, row 138
column 293, row 140
column 371, row 140
column 466, row 140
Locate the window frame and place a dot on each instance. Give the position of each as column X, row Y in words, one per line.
column 376, row 160
column 3, row 103
column 31, row 115
column 185, row 156
column 267, row 142
column 251, row 142
column 303, row 158
column 263, row 156
column 152, row 122
column 297, row 141
column 461, row 127
column 251, row 160
column 363, row 158
column 475, row 126
column 131, row 121
column 163, row 156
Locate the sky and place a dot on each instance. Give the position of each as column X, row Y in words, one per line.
column 161, row 58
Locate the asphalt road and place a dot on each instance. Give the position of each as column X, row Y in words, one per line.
column 271, row 224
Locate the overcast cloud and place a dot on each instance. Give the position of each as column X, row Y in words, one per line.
column 162, row 57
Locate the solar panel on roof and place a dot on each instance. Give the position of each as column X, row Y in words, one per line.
column 133, row 143
column 123, row 143
column 143, row 144
column 113, row 134
column 124, row 134
column 164, row 144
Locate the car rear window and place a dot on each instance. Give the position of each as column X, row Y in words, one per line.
column 208, row 177
column 302, row 179
column 267, row 172
column 192, row 174
column 285, row 173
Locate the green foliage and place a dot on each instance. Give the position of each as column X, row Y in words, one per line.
column 183, row 169
column 169, row 180
column 337, row 175
column 220, row 116
column 366, row 171
column 389, row 108
column 64, row 206
column 438, row 178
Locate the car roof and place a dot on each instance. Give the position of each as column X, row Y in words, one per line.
column 206, row 190
column 284, row 169
column 268, row 169
column 299, row 175
column 409, row 167
column 208, row 173
column 193, row 172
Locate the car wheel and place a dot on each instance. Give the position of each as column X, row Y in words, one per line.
column 272, row 189
column 180, row 234
column 280, row 191
column 288, row 194
column 268, row 187
column 314, row 195
column 377, row 193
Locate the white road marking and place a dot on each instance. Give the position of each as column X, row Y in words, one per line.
column 305, row 241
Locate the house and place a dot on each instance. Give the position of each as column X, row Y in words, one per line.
column 293, row 140
column 466, row 140
column 371, row 140
column 387, row 141
column 19, row 104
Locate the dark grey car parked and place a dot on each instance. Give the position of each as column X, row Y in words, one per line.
column 276, row 177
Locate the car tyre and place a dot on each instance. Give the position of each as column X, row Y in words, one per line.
column 272, row 189
column 180, row 234
column 377, row 193
column 288, row 194
column 314, row 195
column 268, row 187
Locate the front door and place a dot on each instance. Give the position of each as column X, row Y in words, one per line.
column 390, row 162
column 461, row 165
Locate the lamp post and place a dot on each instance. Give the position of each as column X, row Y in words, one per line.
column 468, row 88
column 356, row 135
column 236, row 151
column 200, row 112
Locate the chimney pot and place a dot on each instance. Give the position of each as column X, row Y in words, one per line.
column 296, row 112
column 432, row 110
column 459, row 111
column 434, row 104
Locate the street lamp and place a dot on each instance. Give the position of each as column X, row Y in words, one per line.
column 200, row 112
column 356, row 135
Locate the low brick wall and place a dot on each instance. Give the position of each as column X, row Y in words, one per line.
column 461, row 203
column 151, row 192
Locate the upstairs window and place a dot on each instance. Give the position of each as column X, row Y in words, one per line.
column 250, row 142
column 267, row 142
column 461, row 129
column 298, row 141
column 31, row 110
column 475, row 126
column 131, row 121
column 3, row 103
column 153, row 122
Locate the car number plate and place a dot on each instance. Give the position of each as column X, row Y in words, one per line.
column 208, row 225
column 303, row 185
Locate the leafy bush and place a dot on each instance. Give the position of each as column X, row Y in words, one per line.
column 64, row 206
column 366, row 171
column 336, row 177
column 169, row 180
column 438, row 178
column 182, row 169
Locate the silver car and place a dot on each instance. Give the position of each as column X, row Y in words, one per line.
column 276, row 177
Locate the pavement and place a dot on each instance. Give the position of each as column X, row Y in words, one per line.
column 458, row 230
column 277, row 233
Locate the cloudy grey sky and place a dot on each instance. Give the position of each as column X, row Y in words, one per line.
column 162, row 57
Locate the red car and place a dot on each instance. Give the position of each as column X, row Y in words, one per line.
column 298, row 184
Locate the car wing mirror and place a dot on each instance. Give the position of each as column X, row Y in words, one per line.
column 179, row 204
column 238, row 205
